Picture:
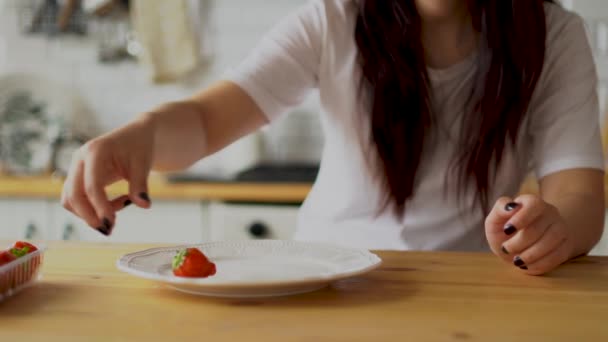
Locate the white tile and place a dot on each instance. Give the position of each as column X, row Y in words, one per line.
column 119, row 92
column 589, row 8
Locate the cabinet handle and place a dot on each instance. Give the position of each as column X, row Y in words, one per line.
column 67, row 231
column 30, row 231
column 259, row 230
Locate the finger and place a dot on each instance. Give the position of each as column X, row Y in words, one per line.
column 94, row 188
column 120, row 203
column 531, row 208
column 138, row 185
column 503, row 210
column 68, row 184
column 65, row 201
column 550, row 241
column 526, row 238
column 549, row 261
column 78, row 200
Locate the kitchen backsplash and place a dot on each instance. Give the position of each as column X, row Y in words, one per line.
column 118, row 92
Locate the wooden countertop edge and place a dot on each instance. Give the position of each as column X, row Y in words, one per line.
column 48, row 187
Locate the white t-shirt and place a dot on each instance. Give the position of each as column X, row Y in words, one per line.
column 315, row 49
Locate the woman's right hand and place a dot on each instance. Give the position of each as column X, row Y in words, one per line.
column 124, row 154
column 172, row 137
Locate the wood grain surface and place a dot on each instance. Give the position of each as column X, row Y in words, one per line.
column 48, row 187
column 412, row 297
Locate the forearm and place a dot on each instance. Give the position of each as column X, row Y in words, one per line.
column 584, row 215
column 188, row 130
column 582, row 208
column 179, row 135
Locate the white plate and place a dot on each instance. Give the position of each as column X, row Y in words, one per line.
column 249, row 269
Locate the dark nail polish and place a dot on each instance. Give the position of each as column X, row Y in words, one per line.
column 103, row 230
column 127, row 203
column 510, row 229
column 511, row 206
column 504, row 250
column 144, row 196
column 518, row 262
column 523, row 267
column 107, row 223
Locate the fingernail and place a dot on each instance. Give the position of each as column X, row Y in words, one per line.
column 128, row 203
column 103, row 230
column 144, row 196
column 509, row 229
column 523, row 267
column 107, row 223
column 504, row 250
column 518, row 262
column 106, row 229
column 511, row 206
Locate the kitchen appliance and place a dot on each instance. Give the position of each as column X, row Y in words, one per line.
column 259, row 173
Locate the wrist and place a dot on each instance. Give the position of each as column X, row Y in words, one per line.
column 583, row 224
column 579, row 244
column 147, row 121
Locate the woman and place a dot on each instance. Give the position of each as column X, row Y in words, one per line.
column 435, row 112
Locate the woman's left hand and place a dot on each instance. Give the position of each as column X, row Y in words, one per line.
column 529, row 233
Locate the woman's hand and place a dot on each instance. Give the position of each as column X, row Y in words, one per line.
column 124, row 154
column 529, row 233
column 172, row 137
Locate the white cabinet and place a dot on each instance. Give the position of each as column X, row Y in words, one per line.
column 166, row 222
column 23, row 219
column 66, row 226
column 248, row 222
column 602, row 247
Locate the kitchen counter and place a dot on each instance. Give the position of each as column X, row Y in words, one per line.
column 49, row 187
column 412, row 297
column 159, row 188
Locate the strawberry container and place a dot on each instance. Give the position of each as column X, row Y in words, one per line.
column 19, row 274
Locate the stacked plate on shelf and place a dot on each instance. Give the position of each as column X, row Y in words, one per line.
column 41, row 123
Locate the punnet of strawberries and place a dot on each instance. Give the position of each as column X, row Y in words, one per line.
column 19, row 250
column 18, row 267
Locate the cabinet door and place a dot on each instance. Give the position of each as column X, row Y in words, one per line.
column 251, row 222
column 165, row 222
column 69, row 227
column 24, row 219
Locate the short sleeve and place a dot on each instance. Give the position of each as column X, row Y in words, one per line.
column 564, row 123
column 282, row 70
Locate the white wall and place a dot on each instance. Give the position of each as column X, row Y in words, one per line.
column 118, row 92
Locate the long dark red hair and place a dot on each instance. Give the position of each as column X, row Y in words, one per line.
column 394, row 75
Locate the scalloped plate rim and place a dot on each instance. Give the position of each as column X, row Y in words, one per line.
column 374, row 262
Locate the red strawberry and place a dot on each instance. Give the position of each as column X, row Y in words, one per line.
column 23, row 244
column 21, row 249
column 192, row 263
column 6, row 257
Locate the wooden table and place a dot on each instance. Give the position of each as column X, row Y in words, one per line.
column 412, row 297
